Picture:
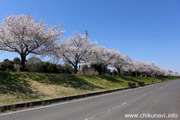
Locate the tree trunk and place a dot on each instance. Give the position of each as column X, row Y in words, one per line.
column 75, row 68
column 119, row 71
column 145, row 74
column 136, row 73
column 129, row 72
column 103, row 67
column 23, row 60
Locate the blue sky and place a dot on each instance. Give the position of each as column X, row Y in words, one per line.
column 147, row 30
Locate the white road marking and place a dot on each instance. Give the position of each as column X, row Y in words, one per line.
column 160, row 88
column 105, row 111
column 124, row 103
column 91, row 118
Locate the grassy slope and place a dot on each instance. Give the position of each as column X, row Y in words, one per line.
column 23, row 86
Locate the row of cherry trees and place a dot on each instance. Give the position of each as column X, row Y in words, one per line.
column 78, row 49
column 25, row 35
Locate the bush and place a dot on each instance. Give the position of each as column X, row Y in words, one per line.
column 52, row 68
column 17, row 67
column 88, row 71
column 7, row 65
column 66, row 68
column 131, row 85
column 141, row 83
column 114, row 72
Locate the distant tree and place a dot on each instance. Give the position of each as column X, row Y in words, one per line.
column 51, row 68
column 34, row 60
column 24, row 35
column 16, row 60
column 45, row 66
column 74, row 49
column 34, row 64
column 119, row 61
column 139, row 67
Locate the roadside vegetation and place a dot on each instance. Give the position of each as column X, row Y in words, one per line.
column 18, row 87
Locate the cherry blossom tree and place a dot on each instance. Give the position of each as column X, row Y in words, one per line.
column 74, row 49
column 139, row 66
column 24, row 35
column 128, row 67
column 120, row 61
column 102, row 56
column 151, row 69
column 148, row 69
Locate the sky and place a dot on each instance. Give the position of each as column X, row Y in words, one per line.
column 146, row 30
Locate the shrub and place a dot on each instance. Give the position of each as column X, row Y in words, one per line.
column 66, row 68
column 88, row 71
column 7, row 65
column 131, row 85
column 141, row 83
column 114, row 72
column 16, row 60
column 17, row 67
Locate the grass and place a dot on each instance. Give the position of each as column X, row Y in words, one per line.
column 16, row 87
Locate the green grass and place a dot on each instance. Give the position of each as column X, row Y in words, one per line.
column 18, row 87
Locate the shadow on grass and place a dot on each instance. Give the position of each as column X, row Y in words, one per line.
column 13, row 84
column 164, row 78
column 66, row 80
column 109, row 78
column 128, row 79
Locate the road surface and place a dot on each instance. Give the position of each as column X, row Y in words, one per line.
column 162, row 98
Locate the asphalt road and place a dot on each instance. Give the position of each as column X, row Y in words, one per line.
column 162, row 98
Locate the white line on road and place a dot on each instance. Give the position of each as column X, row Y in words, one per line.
column 160, row 88
column 124, row 103
column 105, row 111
